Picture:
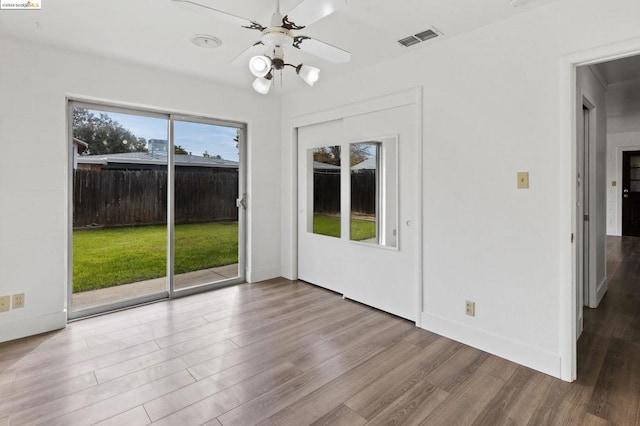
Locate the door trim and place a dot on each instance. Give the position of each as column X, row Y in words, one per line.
column 568, row 195
column 402, row 98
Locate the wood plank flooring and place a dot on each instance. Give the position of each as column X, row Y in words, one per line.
column 289, row 353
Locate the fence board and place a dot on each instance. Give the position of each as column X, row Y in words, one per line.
column 139, row 197
column 326, row 192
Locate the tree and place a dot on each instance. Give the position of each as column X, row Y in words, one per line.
column 331, row 154
column 180, row 150
column 236, row 139
column 327, row 155
column 359, row 153
column 103, row 134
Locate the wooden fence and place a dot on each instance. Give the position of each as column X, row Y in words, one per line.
column 363, row 192
column 326, row 192
column 139, row 197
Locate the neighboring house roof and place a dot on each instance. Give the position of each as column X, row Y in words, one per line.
column 82, row 146
column 325, row 166
column 368, row 164
column 147, row 158
column 79, row 142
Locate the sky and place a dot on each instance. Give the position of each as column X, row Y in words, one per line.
column 196, row 138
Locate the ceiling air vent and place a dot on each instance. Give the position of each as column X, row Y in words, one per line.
column 420, row 37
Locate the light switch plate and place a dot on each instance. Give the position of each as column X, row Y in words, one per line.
column 5, row 303
column 523, row 180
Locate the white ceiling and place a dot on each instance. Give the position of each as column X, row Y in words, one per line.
column 620, row 70
column 157, row 32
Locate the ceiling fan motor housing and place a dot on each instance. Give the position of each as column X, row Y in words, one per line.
column 277, row 37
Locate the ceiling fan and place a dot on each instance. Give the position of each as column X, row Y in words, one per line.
column 279, row 35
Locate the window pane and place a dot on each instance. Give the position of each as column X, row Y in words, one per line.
column 119, row 208
column 326, row 190
column 206, row 214
column 374, row 191
column 364, row 191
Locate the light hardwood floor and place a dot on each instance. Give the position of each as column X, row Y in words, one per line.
column 288, row 353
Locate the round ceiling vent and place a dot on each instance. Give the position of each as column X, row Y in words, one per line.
column 206, row 41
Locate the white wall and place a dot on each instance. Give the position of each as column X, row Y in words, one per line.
column 623, row 134
column 491, row 109
column 34, row 82
column 593, row 90
column 623, row 107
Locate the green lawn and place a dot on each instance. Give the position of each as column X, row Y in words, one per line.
column 330, row 225
column 109, row 257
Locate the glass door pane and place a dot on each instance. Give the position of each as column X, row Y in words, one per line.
column 206, row 190
column 119, row 207
column 326, row 190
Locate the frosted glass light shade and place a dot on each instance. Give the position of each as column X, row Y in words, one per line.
column 309, row 74
column 260, row 65
column 262, row 85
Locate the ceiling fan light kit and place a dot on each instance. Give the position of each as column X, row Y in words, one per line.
column 262, row 85
column 279, row 35
column 260, row 65
column 308, row 73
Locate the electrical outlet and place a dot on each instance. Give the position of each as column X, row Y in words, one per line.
column 470, row 308
column 5, row 303
column 17, row 301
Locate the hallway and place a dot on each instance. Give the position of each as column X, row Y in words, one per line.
column 609, row 348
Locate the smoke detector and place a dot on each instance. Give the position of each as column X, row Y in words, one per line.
column 518, row 3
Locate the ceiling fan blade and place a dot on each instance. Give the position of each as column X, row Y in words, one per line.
column 243, row 58
column 322, row 50
column 309, row 11
column 200, row 6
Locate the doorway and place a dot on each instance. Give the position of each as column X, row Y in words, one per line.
column 156, row 206
column 631, row 193
column 600, row 116
column 583, row 234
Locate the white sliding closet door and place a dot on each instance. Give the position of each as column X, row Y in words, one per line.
column 359, row 230
column 320, row 210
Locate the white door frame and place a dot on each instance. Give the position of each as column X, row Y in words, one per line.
column 397, row 99
column 568, row 194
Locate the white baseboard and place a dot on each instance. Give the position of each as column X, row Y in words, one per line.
column 512, row 350
column 256, row 275
column 30, row 326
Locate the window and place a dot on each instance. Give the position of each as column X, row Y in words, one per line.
column 374, row 191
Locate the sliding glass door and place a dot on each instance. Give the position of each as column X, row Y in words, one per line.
column 155, row 206
column 206, row 203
